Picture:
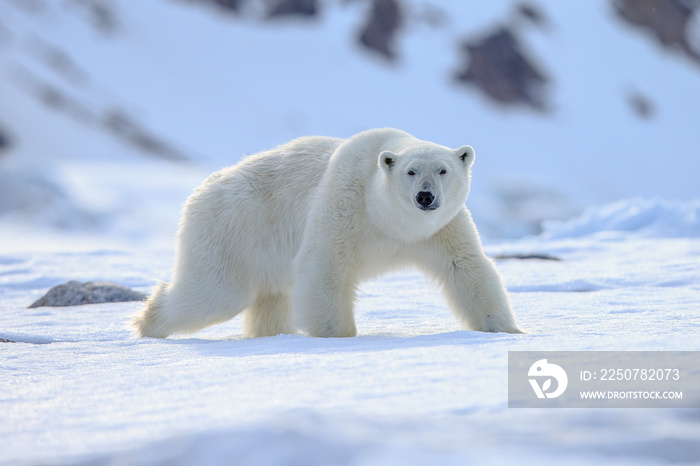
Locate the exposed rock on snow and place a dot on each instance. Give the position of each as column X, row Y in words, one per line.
column 641, row 105
column 132, row 132
column 282, row 8
column 4, row 140
column 532, row 256
column 498, row 66
column 379, row 33
column 116, row 121
column 59, row 61
column 75, row 293
column 231, row 6
column 101, row 14
column 268, row 8
column 667, row 20
column 532, row 14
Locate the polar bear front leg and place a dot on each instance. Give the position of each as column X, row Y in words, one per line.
column 470, row 282
column 324, row 294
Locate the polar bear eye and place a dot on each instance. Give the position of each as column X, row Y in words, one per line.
column 411, row 173
column 443, row 171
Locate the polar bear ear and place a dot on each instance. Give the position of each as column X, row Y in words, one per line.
column 387, row 159
column 466, row 154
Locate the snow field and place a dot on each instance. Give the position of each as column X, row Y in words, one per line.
column 412, row 387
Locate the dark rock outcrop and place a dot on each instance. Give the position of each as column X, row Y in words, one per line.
column 498, row 66
column 532, row 256
column 532, row 14
column 666, row 20
column 5, row 141
column 232, row 5
column 269, row 8
column 102, row 14
column 227, row 6
column 126, row 128
column 641, row 105
column 287, row 8
column 381, row 27
column 75, row 293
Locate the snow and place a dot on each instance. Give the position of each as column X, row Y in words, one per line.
column 413, row 387
column 618, row 195
column 643, row 217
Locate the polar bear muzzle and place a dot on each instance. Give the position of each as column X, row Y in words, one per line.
column 425, row 201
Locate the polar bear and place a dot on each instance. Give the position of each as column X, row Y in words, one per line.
column 292, row 231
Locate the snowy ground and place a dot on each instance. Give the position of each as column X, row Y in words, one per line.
column 412, row 388
column 78, row 201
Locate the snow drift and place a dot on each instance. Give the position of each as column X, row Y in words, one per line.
column 647, row 218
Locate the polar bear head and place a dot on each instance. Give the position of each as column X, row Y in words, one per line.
column 427, row 183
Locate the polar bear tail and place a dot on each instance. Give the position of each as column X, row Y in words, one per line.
column 149, row 321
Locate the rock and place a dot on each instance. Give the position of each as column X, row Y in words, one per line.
column 497, row 65
column 75, row 293
column 533, row 256
column 4, row 141
column 227, row 6
column 383, row 23
column 288, row 8
column 641, row 105
column 102, row 14
column 126, row 128
column 667, row 20
column 532, row 14
column 232, row 5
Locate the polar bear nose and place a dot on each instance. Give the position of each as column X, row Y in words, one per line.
column 425, row 198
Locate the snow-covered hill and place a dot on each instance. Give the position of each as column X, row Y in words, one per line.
column 102, row 100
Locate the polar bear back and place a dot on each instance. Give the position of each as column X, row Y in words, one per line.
column 261, row 206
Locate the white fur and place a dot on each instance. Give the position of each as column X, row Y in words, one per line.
column 293, row 231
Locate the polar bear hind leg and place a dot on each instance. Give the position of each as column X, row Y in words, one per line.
column 149, row 321
column 269, row 315
column 177, row 309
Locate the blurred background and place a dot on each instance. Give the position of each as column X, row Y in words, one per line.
column 113, row 111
